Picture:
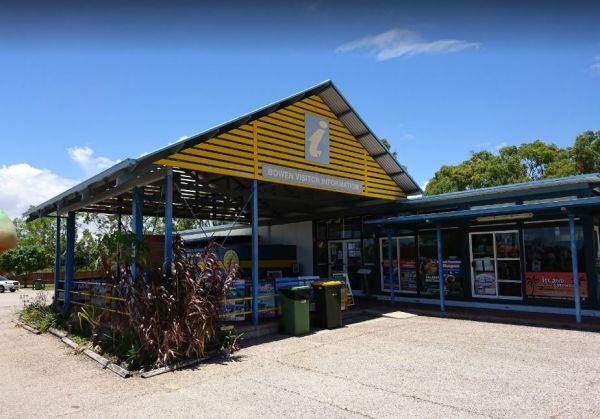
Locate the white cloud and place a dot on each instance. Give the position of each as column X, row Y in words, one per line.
column 24, row 185
column 501, row 145
column 402, row 42
column 85, row 159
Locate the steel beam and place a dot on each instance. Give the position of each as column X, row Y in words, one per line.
column 57, row 260
column 438, row 231
column 255, row 252
column 124, row 185
column 575, row 266
column 390, row 253
column 168, row 221
column 137, row 222
column 69, row 260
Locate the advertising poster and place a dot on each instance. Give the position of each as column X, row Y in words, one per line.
column 408, row 275
column 267, row 288
column 451, row 269
column 554, row 285
column 232, row 305
column 485, row 283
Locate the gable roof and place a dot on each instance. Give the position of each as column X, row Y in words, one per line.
column 326, row 90
column 342, row 110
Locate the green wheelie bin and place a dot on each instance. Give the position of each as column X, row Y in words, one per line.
column 294, row 307
column 328, row 303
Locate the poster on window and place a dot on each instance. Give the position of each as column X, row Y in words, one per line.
column 451, row 269
column 554, row 285
column 484, row 283
column 408, row 275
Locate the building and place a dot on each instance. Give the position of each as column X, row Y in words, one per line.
column 308, row 172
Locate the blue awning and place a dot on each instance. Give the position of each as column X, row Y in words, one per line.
column 486, row 212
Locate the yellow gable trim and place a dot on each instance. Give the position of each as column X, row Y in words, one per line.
column 278, row 140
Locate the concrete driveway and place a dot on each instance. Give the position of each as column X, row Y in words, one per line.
column 386, row 367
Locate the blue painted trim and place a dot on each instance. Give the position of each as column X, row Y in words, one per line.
column 575, row 264
column 137, row 220
column 168, row 253
column 513, row 209
column 438, row 232
column 57, row 260
column 390, row 256
column 69, row 260
column 255, row 252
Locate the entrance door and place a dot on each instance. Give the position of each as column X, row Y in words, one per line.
column 345, row 256
column 404, row 254
column 496, row 265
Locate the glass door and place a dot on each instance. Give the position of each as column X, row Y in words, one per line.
column 508, row 264
column 345, row 256
column 404, row 256
column 336, row 257
column 496, row 265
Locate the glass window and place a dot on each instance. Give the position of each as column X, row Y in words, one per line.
column 507, row 245
column 321, row 259
column 369, row 251
column 548, row 269
column 452, row 263
column 334, row 229
column 344, row 228
column 321, row 230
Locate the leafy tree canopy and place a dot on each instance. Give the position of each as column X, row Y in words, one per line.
column 526, row 162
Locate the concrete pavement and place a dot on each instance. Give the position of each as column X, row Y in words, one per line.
column 386, row 367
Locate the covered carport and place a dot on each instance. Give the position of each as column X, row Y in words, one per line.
column 305, row 157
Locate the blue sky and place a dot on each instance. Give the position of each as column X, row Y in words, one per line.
column 83, row 87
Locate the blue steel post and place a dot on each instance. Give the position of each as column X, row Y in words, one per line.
column 57, row 260
column 137, row 222
column 168, row 220
column 118, row 249
column 255, row 252
column 438, row 231
column 575, row 268
column 391, row 267
column 69, row 260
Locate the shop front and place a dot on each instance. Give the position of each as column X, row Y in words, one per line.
column 510, row 245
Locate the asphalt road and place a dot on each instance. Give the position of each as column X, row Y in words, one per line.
column 402, row 367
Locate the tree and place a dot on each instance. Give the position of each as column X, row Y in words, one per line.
column 586, row 152
column 529, row 161
column 24, row 259
column 388, row 147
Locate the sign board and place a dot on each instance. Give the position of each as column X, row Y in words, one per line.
column 316, row 139
column 554, row 284
column 301, row 177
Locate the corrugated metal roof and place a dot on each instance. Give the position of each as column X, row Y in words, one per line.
column 328, row 93
column 495, row 191
column 111, row 172
column 341, row 107
column 592, row 202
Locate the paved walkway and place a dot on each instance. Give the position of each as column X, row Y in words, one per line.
column 385, row 367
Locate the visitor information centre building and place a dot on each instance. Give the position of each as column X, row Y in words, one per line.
column 303, row 188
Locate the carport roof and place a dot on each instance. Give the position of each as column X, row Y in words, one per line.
column 107, row 192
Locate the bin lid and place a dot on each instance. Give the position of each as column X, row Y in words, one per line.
column 294, row 287
column 327, row 283
column 301, row 292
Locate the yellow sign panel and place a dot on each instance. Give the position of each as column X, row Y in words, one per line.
column 303, row 144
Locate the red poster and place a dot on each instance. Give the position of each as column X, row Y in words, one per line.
column 554, row 284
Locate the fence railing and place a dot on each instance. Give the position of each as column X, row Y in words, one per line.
column 100, row 296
